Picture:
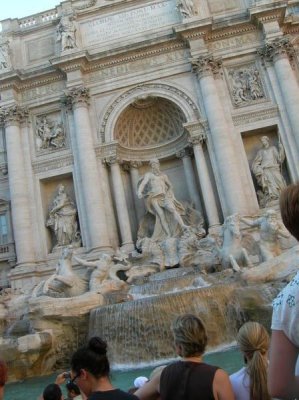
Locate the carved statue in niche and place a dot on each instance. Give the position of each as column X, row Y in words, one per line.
column 63, row 220
column 267, row 169
column 49, row 134
column 186, row 8
column 270, row 230
column 246, row 86
column 160, row 202
column 66, row 33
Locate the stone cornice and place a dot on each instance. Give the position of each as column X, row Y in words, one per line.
column 54, row 163
column 268, row 12
column 230, row 31
column 249, row 117
column 136, row 55
column 194, row 29
column 21, row 82
column 163, row 151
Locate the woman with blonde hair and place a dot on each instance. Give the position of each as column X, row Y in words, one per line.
column 250, row 382
column 190, row 377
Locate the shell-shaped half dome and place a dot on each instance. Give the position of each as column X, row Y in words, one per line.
column 148, row 122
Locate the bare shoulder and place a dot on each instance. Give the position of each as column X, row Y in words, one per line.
column 222, row 387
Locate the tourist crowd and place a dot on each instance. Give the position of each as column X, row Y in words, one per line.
column 265, row 375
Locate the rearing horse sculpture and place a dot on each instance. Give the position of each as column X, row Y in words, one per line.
column 232, row 254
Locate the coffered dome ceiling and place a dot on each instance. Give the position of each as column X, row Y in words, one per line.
column 148, row 122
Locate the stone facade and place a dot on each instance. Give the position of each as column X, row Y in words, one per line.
column 93, row 90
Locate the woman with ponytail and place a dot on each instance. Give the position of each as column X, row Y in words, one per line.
column 90, row 372
column 250, row 382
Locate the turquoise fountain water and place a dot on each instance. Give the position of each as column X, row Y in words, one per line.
column 230, row 360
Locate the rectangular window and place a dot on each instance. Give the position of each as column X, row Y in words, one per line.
column 3, row 229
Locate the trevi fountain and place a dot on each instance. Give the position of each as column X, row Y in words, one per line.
column 144, row 145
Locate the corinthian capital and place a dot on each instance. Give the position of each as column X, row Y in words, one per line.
column 205, row 65
column 77, row 95
column 13, row 114
column 198, row 139
column 112, row 160
column 278, row 48
column 186, row 152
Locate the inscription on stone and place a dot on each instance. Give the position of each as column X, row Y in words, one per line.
column 129, row 23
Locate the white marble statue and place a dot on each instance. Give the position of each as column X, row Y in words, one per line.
column 270, row 230
column 232, row 253
column 66, row 33
column 64, row 282
column 63, row 220
column 103, row 278
column 5, row 63
column 186, row 8
column 266, row 167
column 160, row 202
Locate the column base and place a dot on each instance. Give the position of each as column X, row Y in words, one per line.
column 128, row 247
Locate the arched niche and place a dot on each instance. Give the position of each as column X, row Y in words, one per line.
column 168, row 101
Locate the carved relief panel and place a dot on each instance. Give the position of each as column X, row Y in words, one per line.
column 245, row 85
column 49, row 133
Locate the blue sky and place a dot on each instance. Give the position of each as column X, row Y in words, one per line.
column 23, row 8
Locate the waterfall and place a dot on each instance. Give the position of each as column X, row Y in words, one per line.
column 138, row 331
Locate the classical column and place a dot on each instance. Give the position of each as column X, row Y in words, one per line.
column 85, row 158
column 227, row 162
column 134, row 175
column 184, row 155
column 18, row 185
column 120, row 204
column 280, row 51
column 204, row 180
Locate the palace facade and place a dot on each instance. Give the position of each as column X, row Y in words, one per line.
column 91, row 91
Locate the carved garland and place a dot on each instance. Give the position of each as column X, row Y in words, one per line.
column 140, row 89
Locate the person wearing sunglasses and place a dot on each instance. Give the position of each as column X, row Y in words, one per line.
column 90, row 371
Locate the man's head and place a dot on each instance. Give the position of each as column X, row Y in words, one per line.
column 155, row 165
column 265, row 141
column 72, row 390
column 52, row 392
column 190, row 335
column 289, row 208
